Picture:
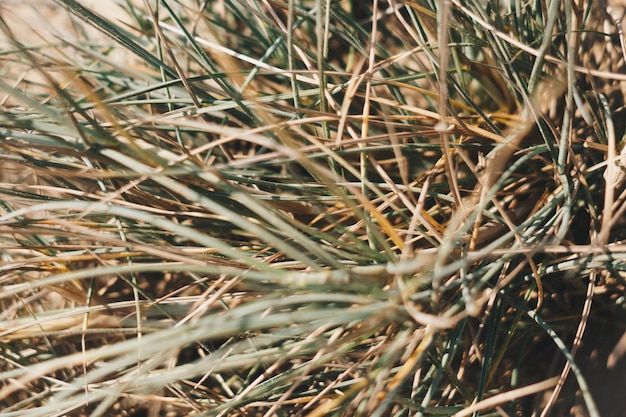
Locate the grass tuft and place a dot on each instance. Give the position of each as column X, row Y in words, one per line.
column 308, row 208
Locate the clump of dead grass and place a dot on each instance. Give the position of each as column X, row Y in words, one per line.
column 309, row 208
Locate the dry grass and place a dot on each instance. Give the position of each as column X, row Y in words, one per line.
column 265, row 208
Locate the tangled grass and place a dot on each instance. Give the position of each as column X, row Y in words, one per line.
column 308, row 208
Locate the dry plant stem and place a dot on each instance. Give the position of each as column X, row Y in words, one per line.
column 410, row 364
column 324, row 409
column 450, row 123
column 309, row 368
column 325, row 392
column 298, row 75
column 442, row 127
column 170, row 53
column 600, row 239
column 610, row 178
column 352, row 89
column 270, row 370
column 578, row 338
column 366, row 111
column 508, row 396
column 322, row 17
column 290, row 58
column 495, row 167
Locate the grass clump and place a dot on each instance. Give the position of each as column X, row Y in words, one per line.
column 310, row 208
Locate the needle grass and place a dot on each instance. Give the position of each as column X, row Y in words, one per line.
column 310, row 208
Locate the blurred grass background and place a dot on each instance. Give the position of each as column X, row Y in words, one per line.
column 311, row 208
